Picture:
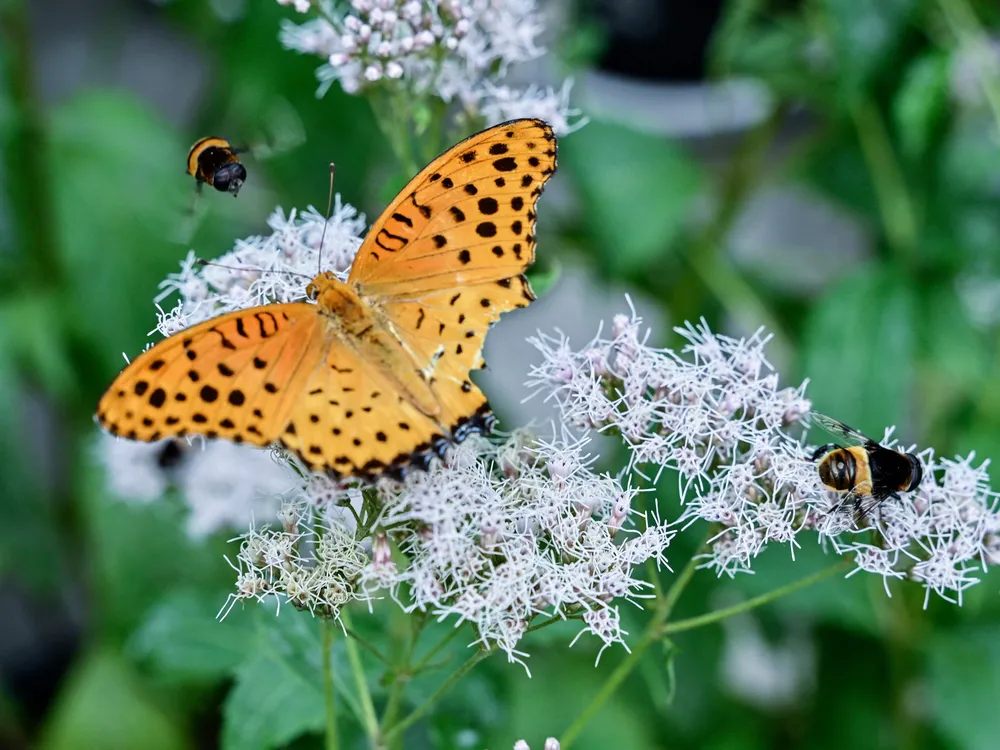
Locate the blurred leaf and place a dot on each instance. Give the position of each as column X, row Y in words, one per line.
column 182, row 637
column 921, row 104
column 865, row 36
column 963, row 679
column 120, row 192
column 138, row 552
column 34, row 334
column 779, row 49
column 391, row 187
column 971, row 158
column 954, row 346
column 638, row 192
column 836, row 601
column 858, row 349
column 838, row 169
column 103, row 705
column 278, row 693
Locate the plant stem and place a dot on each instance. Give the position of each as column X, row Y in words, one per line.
column 658, row 628
column 368, row 718
column 365, row 644
column 392, row 121
column 721, row 614
column 895, row 206
column 425, row 660
column 329, row 693
column 650, row 635
column 401, row 676
column 26, row 149
column 426, row 706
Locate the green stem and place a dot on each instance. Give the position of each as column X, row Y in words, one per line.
column 895, row 206
column 401, row 677
column 721, row 614
column 329, row 693
column 25, row 152
column 650, row 635
column 392, row 121
column 368, row 718
column 396, row 729
column 426, row 659
column 365, row 644
column 658, row 628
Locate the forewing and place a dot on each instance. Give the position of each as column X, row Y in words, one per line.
column 467, row 218
column 236, row 376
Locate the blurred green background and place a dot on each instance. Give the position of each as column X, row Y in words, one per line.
column 827, row 168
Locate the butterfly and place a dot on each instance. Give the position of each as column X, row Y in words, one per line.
column 369, row 377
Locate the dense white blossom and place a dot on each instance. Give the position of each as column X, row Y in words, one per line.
column 223, row 484
column 503, row 535
column 458, row 51
column 715, row 415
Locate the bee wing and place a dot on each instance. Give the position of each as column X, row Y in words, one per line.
column 842, row 431
column 281, row 130
column 861, row 505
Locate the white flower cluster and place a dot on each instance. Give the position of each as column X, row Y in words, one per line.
column 714, row 414
column 457, row 50
column 261, row 270
column 497, row 535
column 507, row 533
column 223, row 484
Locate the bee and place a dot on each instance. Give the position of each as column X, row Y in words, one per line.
column 214, row 160
column 868, row 472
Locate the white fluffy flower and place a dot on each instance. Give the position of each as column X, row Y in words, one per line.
column 456, row 51
column 715, row 415
column 501, row 535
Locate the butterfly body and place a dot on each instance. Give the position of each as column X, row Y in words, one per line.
column 369, row 376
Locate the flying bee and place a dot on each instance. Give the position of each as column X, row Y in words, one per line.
column 214, row 160
column 868, row 472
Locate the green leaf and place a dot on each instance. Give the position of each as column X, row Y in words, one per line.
column 638, row 192
column 182, row 638
column 921, row 104
column 120, row 192
column 138, row 552
column 954, row 346
column 278, row 694
column 865, row 36
column 964, row 682
column 858, row 349
column 103, row 704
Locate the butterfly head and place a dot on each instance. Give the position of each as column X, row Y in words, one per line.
column 320, row 283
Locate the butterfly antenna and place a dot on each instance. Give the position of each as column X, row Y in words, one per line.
column 203, row 262
column 329, row 211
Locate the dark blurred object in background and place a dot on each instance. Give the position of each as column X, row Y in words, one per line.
column 658, row 40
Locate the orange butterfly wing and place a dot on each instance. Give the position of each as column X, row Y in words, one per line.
column 436, row 270
column 236, row 376
column 353, row 421
column 446, row 258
